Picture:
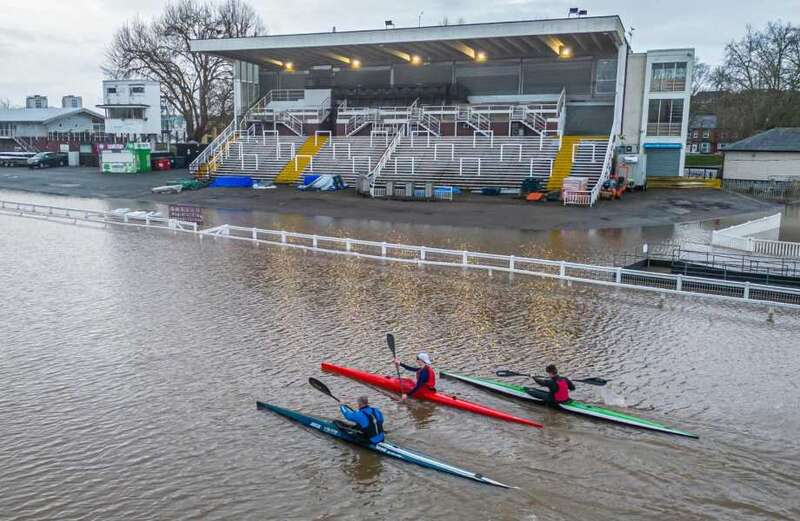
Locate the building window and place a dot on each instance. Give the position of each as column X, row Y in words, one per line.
column 705, row 148
column 665, row 117
column 606, row 80
column 137, row 89
column 668, row 77
column 706, row 134
column 695, row 134
column 7, row 129
column 693, row 149
column 126, row 113
column 111, row 90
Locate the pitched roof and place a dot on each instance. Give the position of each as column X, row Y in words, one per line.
column 42, row 115
column 774, row 140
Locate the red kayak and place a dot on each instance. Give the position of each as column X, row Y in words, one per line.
column 391, row 383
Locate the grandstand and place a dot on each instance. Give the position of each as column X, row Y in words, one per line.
column 471, row 106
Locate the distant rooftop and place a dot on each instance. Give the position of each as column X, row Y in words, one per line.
column 42, row 115
column 775, row 140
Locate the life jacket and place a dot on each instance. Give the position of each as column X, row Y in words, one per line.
column 430, row 385
column 374, row 426
column 562, row 394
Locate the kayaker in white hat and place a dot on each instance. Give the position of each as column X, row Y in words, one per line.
column 426, row 376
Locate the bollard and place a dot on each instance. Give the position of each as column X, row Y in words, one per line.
column 771, row 315
column 662, row 300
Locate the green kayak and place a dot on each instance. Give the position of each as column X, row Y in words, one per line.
column 573, row 406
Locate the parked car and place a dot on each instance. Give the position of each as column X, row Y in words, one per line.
column 15, row 158
column 45, row 159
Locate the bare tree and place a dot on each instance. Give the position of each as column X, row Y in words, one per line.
column 5, row 104
column 197, row 86
column 701, row 74
column 759, row 80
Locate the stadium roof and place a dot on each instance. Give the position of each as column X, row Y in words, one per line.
column 565, row 37
column 775, row 140
column 43, row 115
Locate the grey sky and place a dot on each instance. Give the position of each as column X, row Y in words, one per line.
column 56, row 47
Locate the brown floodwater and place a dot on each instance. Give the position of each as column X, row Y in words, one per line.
column 131, row 360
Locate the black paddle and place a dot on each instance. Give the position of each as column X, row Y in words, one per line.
column 503, row 373
column 390, row 342
column 321, row 387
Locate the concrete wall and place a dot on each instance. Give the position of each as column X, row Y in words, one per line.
column 634, row 94
column 760, row 166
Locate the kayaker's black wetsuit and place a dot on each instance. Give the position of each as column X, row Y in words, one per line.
column 558, row 389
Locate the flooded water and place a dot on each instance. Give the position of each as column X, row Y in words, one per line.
column 130, row 363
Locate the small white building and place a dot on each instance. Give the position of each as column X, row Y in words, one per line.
column 770, row 156
column 133, row 108
column 49, row 122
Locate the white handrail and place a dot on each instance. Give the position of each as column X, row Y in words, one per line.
column 607, row 276
column 383, row 160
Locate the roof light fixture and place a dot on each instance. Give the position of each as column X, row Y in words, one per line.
column 289, row 66
column 355, row 63
column 416, row 59
column 565, row 52
column 480, row 56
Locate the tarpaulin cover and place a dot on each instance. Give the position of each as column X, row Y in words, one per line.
column 232, row 182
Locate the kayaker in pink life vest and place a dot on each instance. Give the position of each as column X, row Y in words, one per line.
column 426, row 376
column 558, row 386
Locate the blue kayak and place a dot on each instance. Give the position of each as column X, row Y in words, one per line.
column 385, row 448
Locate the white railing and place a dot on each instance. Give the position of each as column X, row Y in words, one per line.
column 210, row 155
column 589, row 197
column 374, row 173
column 291, row 122
column 608, row 276
column 776, row 248
column 282, row 95
column 739, row 237
column 75, row 215
column 297, row 162
column 359, row 121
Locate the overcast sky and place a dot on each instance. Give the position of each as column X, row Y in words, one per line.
column 56, row 47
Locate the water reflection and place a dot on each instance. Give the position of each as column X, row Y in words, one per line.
column 364, row 468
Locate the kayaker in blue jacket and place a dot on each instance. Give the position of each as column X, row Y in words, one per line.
column 426, row 376
column 368, row 420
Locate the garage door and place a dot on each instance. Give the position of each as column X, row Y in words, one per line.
column 663, row 162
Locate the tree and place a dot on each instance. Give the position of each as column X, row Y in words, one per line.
column 197, row 86
column 759, row 80
column 5, row 104
column 701, row 75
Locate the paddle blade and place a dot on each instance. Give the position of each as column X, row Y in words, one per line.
column 593, row 381
column 504, row 373
column 321, row 387
column 390, row 343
